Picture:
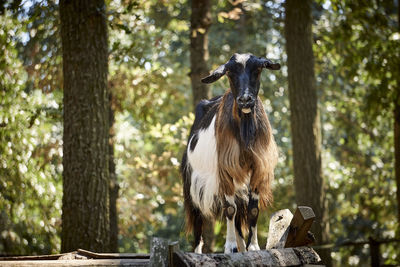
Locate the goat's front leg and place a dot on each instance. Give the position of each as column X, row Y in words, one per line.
column 230, row 212
column 252, row 216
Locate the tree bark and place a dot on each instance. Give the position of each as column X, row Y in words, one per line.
column 200, row 22
column 85, row 212
column 305, row 119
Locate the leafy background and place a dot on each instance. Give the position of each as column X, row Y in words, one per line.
column 356, row 47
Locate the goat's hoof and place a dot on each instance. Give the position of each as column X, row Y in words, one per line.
column 230, row 247
column 253, row 247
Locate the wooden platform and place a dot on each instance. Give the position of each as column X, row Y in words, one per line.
column 78, row 258
column 287, row 245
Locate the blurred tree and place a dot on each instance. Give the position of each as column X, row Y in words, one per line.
column 305, row 118
column 85, row 216
column 200, row 22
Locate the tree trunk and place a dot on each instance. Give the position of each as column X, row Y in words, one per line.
column 114, row 187
column 305, row 119
column 200, row 22
column 85, row 212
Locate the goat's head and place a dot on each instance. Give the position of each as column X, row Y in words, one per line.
column 243, row 71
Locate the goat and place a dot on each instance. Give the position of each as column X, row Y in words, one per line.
column 229, row 161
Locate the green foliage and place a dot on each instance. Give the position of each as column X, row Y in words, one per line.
column 356, row 66
column 356, row 53
column 30, row 156
column 148, row 162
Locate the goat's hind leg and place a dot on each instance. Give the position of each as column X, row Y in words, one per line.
column 197, row 232
column 252, row 217
column 230, row 212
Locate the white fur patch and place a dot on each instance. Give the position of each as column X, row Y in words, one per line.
column 204, row 162
column 199, row 247
column 246, row 110
column 242, row 58
column 254, row 240
column 230, row 244
column 255, row 196
column 240, row 242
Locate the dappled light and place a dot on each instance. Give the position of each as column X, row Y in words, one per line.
column 355, row 47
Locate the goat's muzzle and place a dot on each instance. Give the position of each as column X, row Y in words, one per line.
column 246, row 102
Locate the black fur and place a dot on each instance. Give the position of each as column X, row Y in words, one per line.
column 193, row 142
column 204, row 112
column 251, row 218
column 247, row 130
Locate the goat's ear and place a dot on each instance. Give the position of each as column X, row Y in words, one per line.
column 268, row 64
column 215, row 75
column 273, row 66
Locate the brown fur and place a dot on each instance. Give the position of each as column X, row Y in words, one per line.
column 235, row 161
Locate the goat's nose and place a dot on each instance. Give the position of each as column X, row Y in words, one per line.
column 245, row 99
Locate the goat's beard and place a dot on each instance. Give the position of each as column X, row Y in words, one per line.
column 247, row 127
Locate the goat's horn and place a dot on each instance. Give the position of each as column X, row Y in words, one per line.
column 215, row 75
column 268, row 64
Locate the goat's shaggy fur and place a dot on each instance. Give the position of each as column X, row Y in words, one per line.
column 231, row 153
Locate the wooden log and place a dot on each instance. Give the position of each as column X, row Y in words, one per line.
column 279, row 229
column 158, row 252
column 161, row 252
column 298, row 230
column 273, row 257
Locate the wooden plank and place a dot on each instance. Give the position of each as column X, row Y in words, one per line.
column 279, row 229
column 179, row 259
column 273, row 257
column 37, row 257
column 78, row 255
column 75, row 263
column 299, row 226
column 172, row 247
column 95, row 255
